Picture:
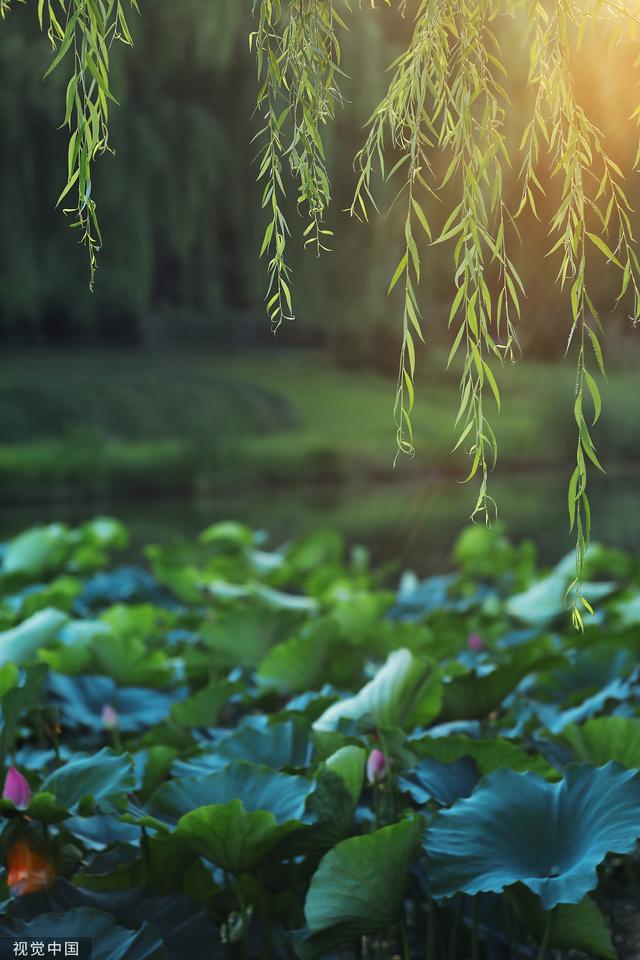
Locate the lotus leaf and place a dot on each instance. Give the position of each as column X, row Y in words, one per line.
column 516, row 827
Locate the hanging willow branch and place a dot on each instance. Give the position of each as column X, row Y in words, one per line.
column 82, row 33
column 593, row 214
column 473, row 133
column 403, row 119
column 298, row 59
column 444, row 94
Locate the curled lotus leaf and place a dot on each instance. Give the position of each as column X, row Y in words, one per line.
column 549, row 836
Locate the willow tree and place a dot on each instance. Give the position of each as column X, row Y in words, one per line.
column 441, row 122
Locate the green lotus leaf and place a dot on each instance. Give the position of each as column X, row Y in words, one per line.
column 358, row 887
column 102, row 779
column 17, row 700
column 36, row 551
column 573, row 926
column 277, row 600
column 405, row 690
column 488, row 755
column 45, row 808
column 348, row 763
column 339, row 782
column 203, row 708
column 21, row 644
column 627, row 609
column 473, row 696
column 292, row 666
column 130, row 662
column 231, row 837
column 600, row 562
column 332, row 807
column 258, row 788
column 163, row 865
column 549, row 836
column 604, row 738
column 108, row 941
column 106, row 532
column 242, row 635
column 9, row 677
column 228, row 533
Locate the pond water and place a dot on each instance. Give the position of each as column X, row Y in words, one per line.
column 409, row 525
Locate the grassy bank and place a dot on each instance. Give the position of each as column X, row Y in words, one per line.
column 127, row 425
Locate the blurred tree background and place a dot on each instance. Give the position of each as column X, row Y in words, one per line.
column 180, row 208
column 181, row 219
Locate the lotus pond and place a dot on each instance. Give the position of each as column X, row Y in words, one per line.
column 243, row 749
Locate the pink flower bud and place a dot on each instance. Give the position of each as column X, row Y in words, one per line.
column 16, row 788
column 475, row 642
column 110, row 718
column 377, row 766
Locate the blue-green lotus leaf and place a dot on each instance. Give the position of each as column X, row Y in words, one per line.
column 258, row 788
column 104, row 777
column 544, row 601
column 81, row 699
column 188, row 933
column 588, row 670
column 615, row 692
column 126, row 584
column 280, row 744
column 549, row 836
column 443, row 782
column 358, row 887
column 404, row 690
column 21, row 644
column 473, row 695
column 108, row 941
column 101, row 831
column 417, row 599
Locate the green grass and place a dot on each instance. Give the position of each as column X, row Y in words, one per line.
column 349, row 415
column 119, row 424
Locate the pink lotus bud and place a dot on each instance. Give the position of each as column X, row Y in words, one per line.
column 110, row 718
column 16, row 788
column 377, row 766
column 475, row 642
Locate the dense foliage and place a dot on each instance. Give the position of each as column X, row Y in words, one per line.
column 237, row 750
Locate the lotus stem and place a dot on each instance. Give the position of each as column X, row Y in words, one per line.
column 545, row 938
column 432, row 933
column 404, row 940
column 474, row 928
column 453, row 941
column 242, row 907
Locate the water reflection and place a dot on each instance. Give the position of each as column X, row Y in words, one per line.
column 407, row 524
